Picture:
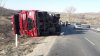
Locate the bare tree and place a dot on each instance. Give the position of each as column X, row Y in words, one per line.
column 2, row 4
column 70, row 11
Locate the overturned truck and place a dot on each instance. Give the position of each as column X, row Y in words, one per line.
column 36, row 23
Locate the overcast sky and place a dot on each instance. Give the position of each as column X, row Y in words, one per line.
column 54, row 5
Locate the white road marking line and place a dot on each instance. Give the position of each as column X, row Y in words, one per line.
column 90, row 41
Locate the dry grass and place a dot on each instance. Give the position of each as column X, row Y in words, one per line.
column 7, row 41
column 90, row 18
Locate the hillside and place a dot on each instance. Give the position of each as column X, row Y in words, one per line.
column 6, row 12
column 90, row 18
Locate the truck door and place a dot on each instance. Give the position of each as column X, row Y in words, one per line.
column 31, row 23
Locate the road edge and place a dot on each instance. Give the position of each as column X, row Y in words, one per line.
column 43, row 48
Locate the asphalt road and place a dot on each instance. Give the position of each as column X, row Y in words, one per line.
column 74, row 42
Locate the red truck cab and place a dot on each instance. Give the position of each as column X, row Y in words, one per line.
column 24, row 23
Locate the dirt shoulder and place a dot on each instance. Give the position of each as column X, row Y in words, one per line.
column 25, row 46
column 43, row 48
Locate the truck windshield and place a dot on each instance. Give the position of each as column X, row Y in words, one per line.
column 30, row 24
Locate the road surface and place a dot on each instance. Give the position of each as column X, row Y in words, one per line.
column 73, row 42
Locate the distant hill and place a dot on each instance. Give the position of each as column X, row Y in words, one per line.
column 7, row 12
column 92, row 18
